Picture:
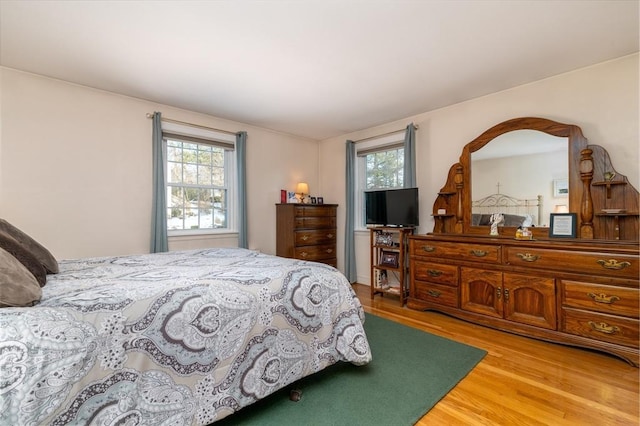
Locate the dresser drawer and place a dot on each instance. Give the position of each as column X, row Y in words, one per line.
column 324, row 251
column 485, row 253
column 304, row 222
column 435, row 293
column 314, row 211
column 605, row 264
column 606, row 328
column 436, row 273
column 312, row 237
column 601, row 298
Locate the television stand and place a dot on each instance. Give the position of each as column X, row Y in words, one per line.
column 389, row 261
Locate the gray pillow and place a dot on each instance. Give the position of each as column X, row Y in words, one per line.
column 38, row 250
column 18, row 286
column 513, row 220
column 33, row 265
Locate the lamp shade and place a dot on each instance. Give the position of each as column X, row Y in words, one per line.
column 561, row 208
column 302, row 188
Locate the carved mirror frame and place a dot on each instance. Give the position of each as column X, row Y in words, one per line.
column 605, row 203
column 576, row 143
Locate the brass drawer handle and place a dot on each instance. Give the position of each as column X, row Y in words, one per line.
column 613, row 264
column 304, row 254
column 434, row 293
column 428, row 248
column 506, row 294
column 479, row 253
column 329, row 250
column 603, row 327
column 528, row 257
column 329, row 235
column 499, row 292
column 305, row 237
column 603, row 298
column 434, row 272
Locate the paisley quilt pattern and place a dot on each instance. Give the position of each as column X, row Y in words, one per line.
column 178, row 338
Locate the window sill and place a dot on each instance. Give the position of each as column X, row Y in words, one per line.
column 200, row 234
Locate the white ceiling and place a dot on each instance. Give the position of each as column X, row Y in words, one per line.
column 314, row 68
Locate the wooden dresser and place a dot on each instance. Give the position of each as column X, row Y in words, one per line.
column 582, row 293
column 307, row 232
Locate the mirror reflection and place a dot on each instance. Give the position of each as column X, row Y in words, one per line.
column 522, row 174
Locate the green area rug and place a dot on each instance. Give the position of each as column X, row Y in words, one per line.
column 410, row 372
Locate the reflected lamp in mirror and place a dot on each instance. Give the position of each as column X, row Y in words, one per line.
column 302, row 189
column 561, row 208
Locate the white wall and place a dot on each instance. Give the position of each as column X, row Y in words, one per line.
column 601, row 99
column 75, row 163
column 75, row 168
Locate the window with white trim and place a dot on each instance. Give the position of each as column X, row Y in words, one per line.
column 379, row 165
column 200, row 176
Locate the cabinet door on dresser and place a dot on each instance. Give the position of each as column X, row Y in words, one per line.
column 481, row 291
column 519, row 298
column 530, row 300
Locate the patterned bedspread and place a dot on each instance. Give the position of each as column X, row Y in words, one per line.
column 174, row 338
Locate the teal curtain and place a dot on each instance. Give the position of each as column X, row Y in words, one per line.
column 159, row 241
column 241, row 158
column 410, row 157
column 350, row 192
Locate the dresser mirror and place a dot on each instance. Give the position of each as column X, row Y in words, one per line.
column 524, row 173
column 528, row 168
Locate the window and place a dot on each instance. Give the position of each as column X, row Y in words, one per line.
column 200, row 175
column 384, row 169
column 380, row 165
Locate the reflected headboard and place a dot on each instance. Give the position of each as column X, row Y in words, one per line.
column 516, row 210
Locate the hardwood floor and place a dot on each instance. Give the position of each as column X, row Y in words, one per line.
column 522, row 381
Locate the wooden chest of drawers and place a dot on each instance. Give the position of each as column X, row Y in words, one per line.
column 307, row 232
column 581, row 293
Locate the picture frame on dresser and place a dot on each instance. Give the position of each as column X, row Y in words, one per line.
column 563, row 225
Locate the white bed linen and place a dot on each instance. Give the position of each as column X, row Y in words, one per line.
column 174, row 338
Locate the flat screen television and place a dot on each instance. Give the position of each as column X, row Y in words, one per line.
column 392, row 207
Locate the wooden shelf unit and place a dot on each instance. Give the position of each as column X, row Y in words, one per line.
column 389, row 249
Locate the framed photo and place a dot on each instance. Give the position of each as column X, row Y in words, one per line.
column 563, row 225
column 292, row 197
column 320, row 200
column 389, row 258
column 314, row 200
column 561, row 188
column 384, row 238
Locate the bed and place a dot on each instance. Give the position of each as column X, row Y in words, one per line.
column 516, row 211
column 177, row 338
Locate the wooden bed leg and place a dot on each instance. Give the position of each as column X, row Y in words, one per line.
column 295, row 395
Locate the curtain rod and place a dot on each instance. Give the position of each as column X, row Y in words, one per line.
column 168, row 120
column 415, row 126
